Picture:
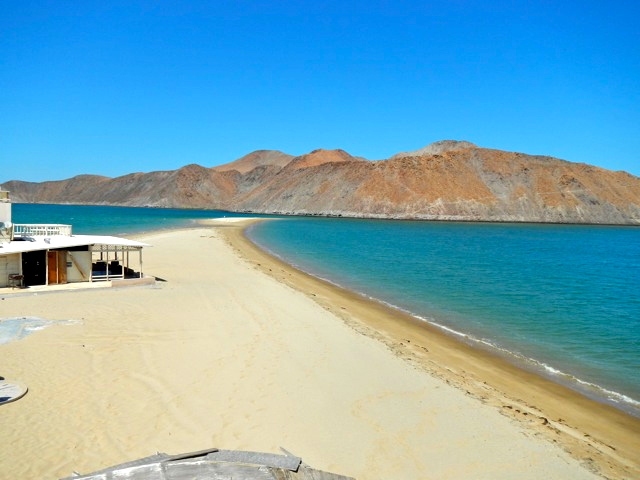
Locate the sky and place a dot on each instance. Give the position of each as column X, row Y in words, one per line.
column 115, row 87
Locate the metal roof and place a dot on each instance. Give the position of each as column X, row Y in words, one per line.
column 30, row 244
column 212, row 464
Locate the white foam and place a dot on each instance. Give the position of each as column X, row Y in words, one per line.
column 233, row 219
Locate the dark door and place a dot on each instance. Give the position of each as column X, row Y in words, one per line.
column 34, row 268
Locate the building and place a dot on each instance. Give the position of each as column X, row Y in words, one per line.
column 46, row 254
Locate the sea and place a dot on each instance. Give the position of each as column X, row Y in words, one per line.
column 560, row 300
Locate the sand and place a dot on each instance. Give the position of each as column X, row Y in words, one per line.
column 236, row 350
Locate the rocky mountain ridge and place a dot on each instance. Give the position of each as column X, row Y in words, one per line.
column 447, row 180
column 256, row 159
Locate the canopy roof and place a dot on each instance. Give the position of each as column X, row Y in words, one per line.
column 30, row 244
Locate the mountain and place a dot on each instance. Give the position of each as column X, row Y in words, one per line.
column 256, row 159
column 447, row 180
column 437, row 147
column 320, row 157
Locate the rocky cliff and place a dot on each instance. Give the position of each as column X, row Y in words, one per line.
column 447, row 180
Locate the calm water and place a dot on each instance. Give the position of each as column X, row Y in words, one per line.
column 563, row 300
column 99, row 220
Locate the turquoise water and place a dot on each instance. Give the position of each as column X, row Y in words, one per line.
column 562, row 300
column 100, row 220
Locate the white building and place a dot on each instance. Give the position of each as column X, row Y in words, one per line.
column 45, row 254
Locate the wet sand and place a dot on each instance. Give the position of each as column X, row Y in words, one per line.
column 238, row 350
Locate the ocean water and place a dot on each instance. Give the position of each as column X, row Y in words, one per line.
column 101, row 220
column 559, row 299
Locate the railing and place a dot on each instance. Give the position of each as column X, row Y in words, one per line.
column 102, row 270
column 40, row 230
column 101, row 277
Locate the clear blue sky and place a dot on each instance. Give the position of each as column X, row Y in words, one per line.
column 114, row 87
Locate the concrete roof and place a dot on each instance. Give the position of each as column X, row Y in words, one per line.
column 30, row 244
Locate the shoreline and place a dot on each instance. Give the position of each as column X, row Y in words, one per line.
column 225, row 353
column 531, row 365
column 626, row 404
column 585, row 427
column 428, row 218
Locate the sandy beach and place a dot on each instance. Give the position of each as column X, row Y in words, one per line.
column 235, row 349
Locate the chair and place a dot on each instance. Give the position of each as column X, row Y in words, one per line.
column 15, row 280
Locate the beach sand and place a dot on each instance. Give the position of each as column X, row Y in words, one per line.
column 236, row 350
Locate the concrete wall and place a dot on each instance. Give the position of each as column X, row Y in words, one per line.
column 78, row 267
column 5, row 219
column 8, row 264
column 5, row 212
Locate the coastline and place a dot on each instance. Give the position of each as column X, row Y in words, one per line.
column 358, row 216
column 550, row 368
column 235, row 349
column 586, row 428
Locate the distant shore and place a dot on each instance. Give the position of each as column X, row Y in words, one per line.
column 354, row 215
column 235, row 349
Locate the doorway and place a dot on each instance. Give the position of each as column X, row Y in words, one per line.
column 34, row 267
column 57, row 267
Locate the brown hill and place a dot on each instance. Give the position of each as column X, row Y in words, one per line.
column 461, row 182
column 255, row 159
column 60, row 189
column 436, row 148
column 192, row 185
column 320, row 157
